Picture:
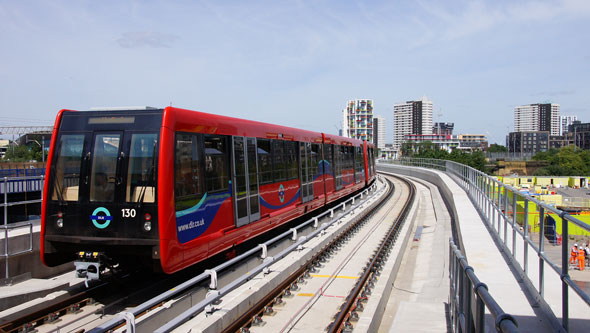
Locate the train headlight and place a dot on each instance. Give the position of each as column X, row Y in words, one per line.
column 147, row 226
column 60, row 223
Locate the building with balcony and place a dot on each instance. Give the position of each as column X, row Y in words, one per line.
column 357, row 119
column 443, row 128
column 442, row 141
column 411, row 117
column 473, row 141
column 537, row 117
column 565, row 122
column 558, row 141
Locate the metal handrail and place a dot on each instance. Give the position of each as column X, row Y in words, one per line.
column 6, row 227
column 491, row 198
column 7, row 255
column 16, row 172
column 464, row 287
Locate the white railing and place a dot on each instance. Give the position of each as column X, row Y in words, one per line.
column 522, row 223
column 216, row 291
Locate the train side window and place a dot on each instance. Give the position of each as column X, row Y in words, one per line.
column 188, row 188
column 291, row 166
column 348, row 156
column 316, row 156
column 141, row 173
column 329, row 158
column 216, row 163
column 264, row 161
column 278, row 154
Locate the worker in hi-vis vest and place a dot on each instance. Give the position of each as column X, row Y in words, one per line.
column 581, row 260
column 574, row 254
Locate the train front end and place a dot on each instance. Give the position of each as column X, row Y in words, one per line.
column 100, row 203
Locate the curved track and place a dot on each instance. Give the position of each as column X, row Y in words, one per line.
column 87, row 309
column 324, row 294
column 328, row 293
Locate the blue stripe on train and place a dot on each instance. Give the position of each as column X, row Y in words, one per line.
column 194, row 221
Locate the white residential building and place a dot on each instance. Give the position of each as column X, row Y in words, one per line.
column 565, row 122
column 537, row 117
column 379, row 132
column 412, row 117
column 357, row 119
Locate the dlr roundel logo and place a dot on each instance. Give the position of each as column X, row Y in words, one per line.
column 101, row 217
column 282, row 193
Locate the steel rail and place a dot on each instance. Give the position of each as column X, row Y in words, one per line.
column 268, row 301
column 28, row 321
column 216, row 293
column 342, row 320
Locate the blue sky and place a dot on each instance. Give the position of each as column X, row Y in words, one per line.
column 296, row 63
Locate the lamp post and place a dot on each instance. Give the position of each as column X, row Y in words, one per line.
column 42, row 145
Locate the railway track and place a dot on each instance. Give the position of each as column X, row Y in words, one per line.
column 85, row 306
column 88, row 310
column 335, row 268
column 329, row 293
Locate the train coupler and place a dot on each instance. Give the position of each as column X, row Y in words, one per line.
column 89, row 265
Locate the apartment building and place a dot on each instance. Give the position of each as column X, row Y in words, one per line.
column 411, row 117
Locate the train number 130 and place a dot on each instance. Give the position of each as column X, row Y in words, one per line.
column 128, row 212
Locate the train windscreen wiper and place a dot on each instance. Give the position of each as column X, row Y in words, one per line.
column 151, row 176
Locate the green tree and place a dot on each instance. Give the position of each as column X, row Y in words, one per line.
column 23, row 153
column 407, row 150
column 545, row 155
column 568, row 161
column 496, row 148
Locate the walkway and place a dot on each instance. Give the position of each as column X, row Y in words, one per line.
column 421, row 288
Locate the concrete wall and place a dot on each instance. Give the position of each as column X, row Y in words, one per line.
column 435, row 179
column 27, row 265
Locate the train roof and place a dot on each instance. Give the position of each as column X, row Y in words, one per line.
column 178, row 119
column 196, row 121
column 340, row 140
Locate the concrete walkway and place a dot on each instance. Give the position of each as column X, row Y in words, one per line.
column 421, row 290
column 422, row 285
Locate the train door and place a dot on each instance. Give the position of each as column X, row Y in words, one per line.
column 245, row 168
column 104, row 178
column 306, row 173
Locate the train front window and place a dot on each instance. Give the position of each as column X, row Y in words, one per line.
column 66, row 183
column 104, row 167
column 141, row 173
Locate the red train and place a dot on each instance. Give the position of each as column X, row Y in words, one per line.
column 170, row 187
